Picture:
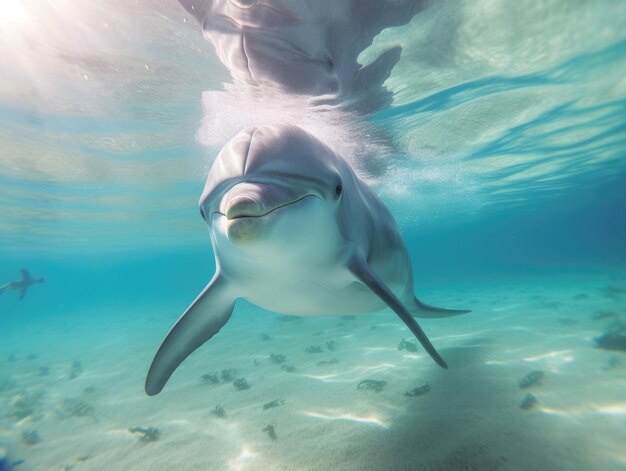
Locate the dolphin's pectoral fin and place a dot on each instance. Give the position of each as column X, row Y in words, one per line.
column 201, row 321
column 22, row 293
column 359, row 268
column 424, row 310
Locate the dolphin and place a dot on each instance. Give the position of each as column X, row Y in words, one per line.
column 22, row 284
column 306, row 47
column 295, row 231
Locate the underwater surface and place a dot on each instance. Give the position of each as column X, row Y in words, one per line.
column 498, row 142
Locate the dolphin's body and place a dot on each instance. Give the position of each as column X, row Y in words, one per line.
column 22, row 284
column 306, row 47
column 294, row 231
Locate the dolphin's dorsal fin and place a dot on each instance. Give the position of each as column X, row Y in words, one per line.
column 25, row 275
column 201, row 321
column 359, row 268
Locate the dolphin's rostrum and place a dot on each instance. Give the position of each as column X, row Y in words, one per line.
column 294, row 231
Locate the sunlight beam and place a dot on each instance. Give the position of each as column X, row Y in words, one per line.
column 12, row 14
column 371, row 420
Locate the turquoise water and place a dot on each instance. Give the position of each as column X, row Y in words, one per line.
column 502, row 157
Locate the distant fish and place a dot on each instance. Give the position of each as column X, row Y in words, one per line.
column 601, row 315
column 306, row 47
column 611, row 341
column 614, row 292
column 528, row 402
column 531, row 379
column 22, row 284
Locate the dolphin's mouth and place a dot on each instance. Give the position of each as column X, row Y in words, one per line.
column 242, row 207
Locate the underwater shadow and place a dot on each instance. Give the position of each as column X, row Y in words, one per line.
column 469, row 420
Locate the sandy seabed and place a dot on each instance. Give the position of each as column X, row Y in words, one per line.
column 72, row 387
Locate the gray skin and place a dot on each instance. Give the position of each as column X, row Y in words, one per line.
column 294, row 231
column 306, row 47
column 22, row 284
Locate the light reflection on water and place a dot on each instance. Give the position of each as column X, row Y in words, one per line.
column 100, row 107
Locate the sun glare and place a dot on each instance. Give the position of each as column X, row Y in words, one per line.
column 12, row 13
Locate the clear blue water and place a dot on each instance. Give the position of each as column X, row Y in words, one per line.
column 503, row 157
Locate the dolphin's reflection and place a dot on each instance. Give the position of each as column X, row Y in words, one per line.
column 306, row 47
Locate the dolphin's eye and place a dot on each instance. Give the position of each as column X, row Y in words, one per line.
column 329, row 63
column 338, row 190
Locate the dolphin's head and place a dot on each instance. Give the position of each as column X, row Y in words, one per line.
column 271, row 187
column 277, row 43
